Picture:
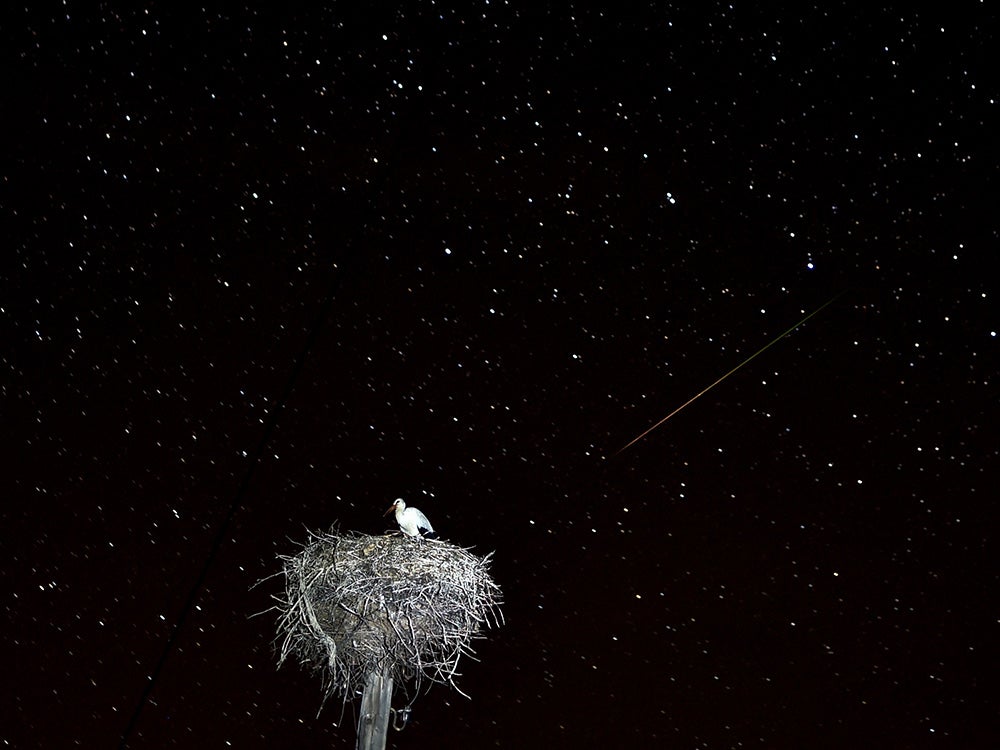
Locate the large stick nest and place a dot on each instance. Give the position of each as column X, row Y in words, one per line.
column 408, row 608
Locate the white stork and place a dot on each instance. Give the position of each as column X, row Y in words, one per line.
column 411, row 521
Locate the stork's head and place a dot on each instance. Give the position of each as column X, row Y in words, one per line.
column 397, row 504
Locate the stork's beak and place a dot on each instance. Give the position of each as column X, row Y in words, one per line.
column 391, row 509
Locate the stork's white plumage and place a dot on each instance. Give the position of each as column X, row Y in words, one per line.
column 411, row 521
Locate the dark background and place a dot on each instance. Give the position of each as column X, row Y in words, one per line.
column 266, row 270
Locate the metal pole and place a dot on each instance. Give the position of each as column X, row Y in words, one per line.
column 373, row 725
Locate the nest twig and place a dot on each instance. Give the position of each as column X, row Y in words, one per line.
column 356, row 604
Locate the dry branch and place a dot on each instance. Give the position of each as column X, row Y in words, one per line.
column 407, row 608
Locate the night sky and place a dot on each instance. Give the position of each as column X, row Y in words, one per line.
column 266, row 270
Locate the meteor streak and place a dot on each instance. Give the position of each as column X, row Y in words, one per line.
column 702, row 392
